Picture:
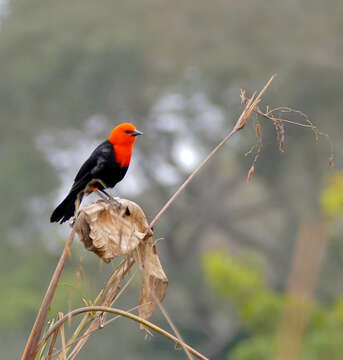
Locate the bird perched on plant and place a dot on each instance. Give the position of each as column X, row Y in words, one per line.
column 106, row 166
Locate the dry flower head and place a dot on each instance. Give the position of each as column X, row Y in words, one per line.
column 110, row 231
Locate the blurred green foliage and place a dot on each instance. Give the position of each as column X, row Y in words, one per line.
column 260, row 309
column 244, row 285
column 332, row 197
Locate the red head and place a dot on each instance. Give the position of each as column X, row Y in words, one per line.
column 123, row 137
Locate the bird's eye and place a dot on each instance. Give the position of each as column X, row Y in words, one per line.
column 128, row 131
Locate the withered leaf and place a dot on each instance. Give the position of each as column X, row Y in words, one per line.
column 154, row 282
column 258, row 131
column 110, row 231
column 282, row 143
column 251, row 173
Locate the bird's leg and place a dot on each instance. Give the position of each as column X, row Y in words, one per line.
column 118, row 204
column 101, row 191
column 106, row 193
column 110, row 198
column 102, row 195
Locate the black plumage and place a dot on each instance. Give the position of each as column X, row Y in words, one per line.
column 101, row 165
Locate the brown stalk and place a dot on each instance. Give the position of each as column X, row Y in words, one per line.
column 250, row 106
column 63, row 339
column 58, row 352
column 162, row 309
column 52, row 344
column 31, row 348
column 112, row 295
column 171, row 324
column 112, row 288
column 123, row 313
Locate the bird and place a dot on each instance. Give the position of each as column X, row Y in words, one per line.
column 106, row 166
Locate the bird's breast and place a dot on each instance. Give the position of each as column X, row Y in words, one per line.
column 122, row 155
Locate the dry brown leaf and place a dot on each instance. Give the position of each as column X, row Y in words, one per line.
column 251, row 173
column 258, row 131
column 109, row 231
column 154, row 283
column 282, row 143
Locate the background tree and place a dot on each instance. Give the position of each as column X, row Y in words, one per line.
column 71, row 70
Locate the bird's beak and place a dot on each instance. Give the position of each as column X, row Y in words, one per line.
column 136, row 133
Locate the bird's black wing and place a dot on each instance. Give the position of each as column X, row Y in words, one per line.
column 94, row 166
column 100, row 154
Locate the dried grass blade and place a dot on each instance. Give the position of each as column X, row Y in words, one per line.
column 52, row 344
column 63, row 340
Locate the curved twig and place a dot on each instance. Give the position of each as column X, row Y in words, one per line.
column 124, row 314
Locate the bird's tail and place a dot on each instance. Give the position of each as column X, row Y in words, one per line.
column 66, row 209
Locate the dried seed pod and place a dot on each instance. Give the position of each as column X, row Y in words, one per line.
column 110, row 230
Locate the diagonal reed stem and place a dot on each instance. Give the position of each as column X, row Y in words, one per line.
column 249, row 108
column 30, row 350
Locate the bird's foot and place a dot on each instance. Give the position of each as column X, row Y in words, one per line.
column 109, row 198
